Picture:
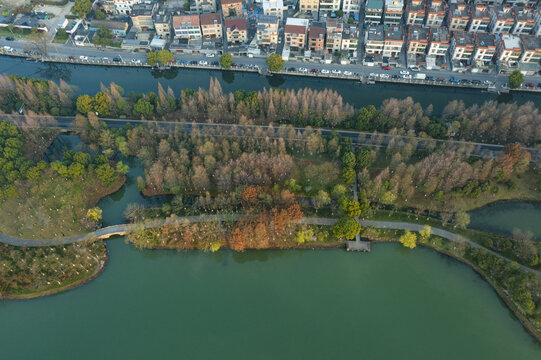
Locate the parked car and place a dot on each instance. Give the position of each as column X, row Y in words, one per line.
column 387, row 67
column 488, row 82
column 348, row 73
column 476, row 82
column 539, row 85
column 404, row 72
column 407, row 77
column 82, row 57
column 203, row 62
column 315, row 71
column 184, row 62
column 215, row 63
column 291, row 69
column 465, row 81
column 429, row 78
column 234, row 64
column 10, row 38
column 105, row 58
column 135, row 61
column 117, row 59
column 325, row 71
column 414, row 68
column 384, row 76
column 530, row 85
column 440, row 79
column 453, row 80
column 373, row 75
column 72, row 57
column 210, row 55
column 395, row 76
column 336, row 72
column 303, row 70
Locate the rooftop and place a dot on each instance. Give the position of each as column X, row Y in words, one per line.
column 531, row 42
column 110, row 24
column 503, row 12
column 162, row 18
column 186, row 20
column 463, row 38
column 436, row 6
column 210, row 19
column 394, row 33
column 510, row 41
column 416, row 5
column 267, row 19
column 417, row 33
column 142, row 10
column 295, row 29
column 225, row 2
column 374, row 4
column 375, row 33
column 459, row 10
column 394, row 4
column 524, row 14
column 235, row 24
column 480, row 11
column 485, row 40
column 316, row 32
column 439, row 34
column 273, row 4
column 297, row 22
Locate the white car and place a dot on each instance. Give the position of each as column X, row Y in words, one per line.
column 304, row 70
column 337, row 72
column 203, row 62
column 407, row 77
column 82, row 57
column 210, row 55
column 8, row 49
column 105, row 58
column 372, row 75
column 404, row 72
column 325, row 71
column 136, row 61
column 414, row 68
column 348, row 73
column 384, row 76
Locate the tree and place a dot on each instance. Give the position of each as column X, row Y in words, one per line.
column 106, row 174
column 101, row 103
column 461, row 219
column 103, row 37
column 122, row 168
column 152, row 58
column 338, row 190
column 322, row 198
column 364, row 158
column 186, row 6
column 94, row 214
column 226, row 60
column 348, row 160
column 425, row 234
column 409, row 240
column 303, row 236
column 516, row 79
column 100, row 15
column 275, row 62
column 351, row 208
column 81, row 8
column 346, row 227
column 143, row 107
column 165, row 57
column 84, row 104
column 38, row 42
column 348, row 175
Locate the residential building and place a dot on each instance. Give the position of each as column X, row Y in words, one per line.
column 458, row 16
column 203, row 6
column 316, row 37
column 393, row 11
column 374, row 40
column 537, row 27
column 118, row 28
column 351, row 7
column 236, row 31
column 267, row 30
column 502, row 19
column 435, row 13
column 418, row 39
column 309, row 5
column 527, row 3
column 142, row 16
column 439, row 42
column 211, row 25
column 415, row 12
column 231, row 8
column 335, row 29
column 394, row 41
column 121, row 7
column 329, row 5
column 274, row 8
column 509, row 50
column 524, row 21
column 462, row 45
column 162, row 23
column 480, row 18
column 350, row 40
column 187, row 27
column 485, row 49
column 531, row 50
column 373, row 11
column 295, row 32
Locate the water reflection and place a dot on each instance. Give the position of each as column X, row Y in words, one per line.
column 54, row 71
column 228, row 76
column 167, row 74
column 276, row 80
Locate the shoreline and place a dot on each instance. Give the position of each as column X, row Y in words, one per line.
column 365, row 80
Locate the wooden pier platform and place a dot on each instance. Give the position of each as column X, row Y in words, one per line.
column 358, row 245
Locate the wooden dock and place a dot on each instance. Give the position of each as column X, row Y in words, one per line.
column 358, row 245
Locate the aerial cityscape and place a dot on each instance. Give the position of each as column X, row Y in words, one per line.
column 322, row 179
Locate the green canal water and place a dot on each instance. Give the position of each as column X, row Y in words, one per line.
column 390, row 304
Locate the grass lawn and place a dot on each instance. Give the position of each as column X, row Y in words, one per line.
column 17, row 33
column 52, row 206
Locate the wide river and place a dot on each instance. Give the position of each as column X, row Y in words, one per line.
column 390, row 304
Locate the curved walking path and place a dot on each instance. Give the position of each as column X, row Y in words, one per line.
column 122, row 229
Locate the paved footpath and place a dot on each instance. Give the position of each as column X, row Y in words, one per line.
column 122, row 229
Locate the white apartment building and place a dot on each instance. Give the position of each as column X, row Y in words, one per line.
column 393, row 11
column 274, row 8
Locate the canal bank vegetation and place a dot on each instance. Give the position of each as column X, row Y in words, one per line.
column 520, row 290
column 27, row 272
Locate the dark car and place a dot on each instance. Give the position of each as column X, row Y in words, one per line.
column 539, row 85
column 292, row 69
column 72, row 57
column 117, row 59
column 476, row 82
column 215, row 63
column 440, row 79
column 453, row 80
column 233, row 64
column 395, row 76
column 193, row 62
column 429, row 78
column 465, row 81
column 315, row 71
column 10, row 38
column 184, row 62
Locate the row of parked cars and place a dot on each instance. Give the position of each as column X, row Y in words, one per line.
column 322, row 71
